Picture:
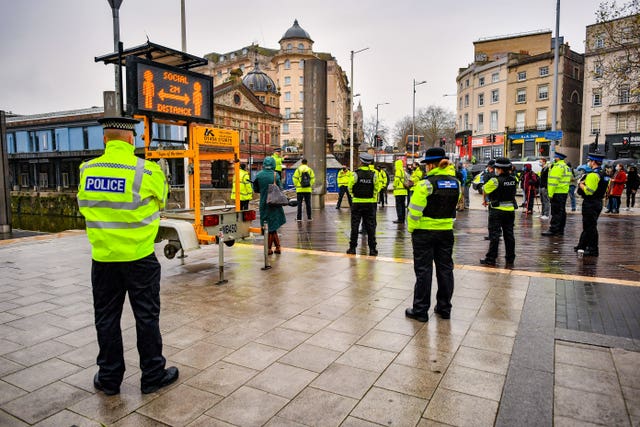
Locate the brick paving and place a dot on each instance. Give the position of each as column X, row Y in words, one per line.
column 318, row 339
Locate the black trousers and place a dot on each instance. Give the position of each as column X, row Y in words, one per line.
column 382, row 198
column 429, row 247
column 306, row 197
column 589, row 237
column 111, row 281
column 365, row 212
column 501, row 223
column 558, row 213
column 401, row 208
column 244, row 205
column 342, row 191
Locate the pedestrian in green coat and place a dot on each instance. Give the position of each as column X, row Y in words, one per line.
column 272, row 215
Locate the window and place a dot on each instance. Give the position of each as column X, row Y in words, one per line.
column 598, row 42
column 219, row 74
column 301, row 64
column 520, row 121
column 466, row 121
column 543, row 71
column 495, row 77
column 493, row 125
column 597, row 70
column 232, row 55
column 287, row 113
column 543, row 92
column 495, row 96
column 623, row 94
column 460, row 102
column 43, row 181
column 521, row 96
column 287, row 96
column 301, row 96
column 480, row 99
column 480, row 81
column 287, row 81
column 466, row 100
column 621, row 122
column 466, row 83
column 480, row 122
column 300, row 47
column 522, row 75
column 541, row 119
column 595, row 125
column 24, row 180
column 301, row 81
column 287, row 64
column 285, row 128
column 289, row 47
column 597, row 98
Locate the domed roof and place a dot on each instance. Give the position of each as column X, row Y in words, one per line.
column 257, row 81
column 296, row 32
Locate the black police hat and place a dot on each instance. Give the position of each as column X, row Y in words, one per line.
column 503, row 163
column 434, row 155
column 120, row 123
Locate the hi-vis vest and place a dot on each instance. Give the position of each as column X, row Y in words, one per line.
column 120, row 196
column 246, row 189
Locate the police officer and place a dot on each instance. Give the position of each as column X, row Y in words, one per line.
column 384, row 181
column 558, row 189
column 592, row 187
column 399, row 191
column 120, row 196
column 432, row 209
column 246, row 189
column 277, row 156
column 500, row 196
column 364, row 187
column 343, row 185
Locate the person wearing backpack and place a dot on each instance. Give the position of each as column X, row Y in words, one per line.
column 304, row 179
column 364, row 187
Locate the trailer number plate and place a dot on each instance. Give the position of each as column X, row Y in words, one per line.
column 229, row 228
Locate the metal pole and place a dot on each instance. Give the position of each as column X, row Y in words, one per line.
column 556, row 57
column 116, row 42
column 187, row 190
column 413, row 124
column 351, row 118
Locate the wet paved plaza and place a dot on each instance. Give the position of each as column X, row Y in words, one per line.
column 321, row 337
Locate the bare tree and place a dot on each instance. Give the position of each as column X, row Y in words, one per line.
column 434, row 123
column 617, row 42
column 370, row 130
column 400, row 132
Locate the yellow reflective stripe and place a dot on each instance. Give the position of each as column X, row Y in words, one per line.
column 122, row 225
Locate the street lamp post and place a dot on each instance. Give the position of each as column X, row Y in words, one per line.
column 351, row 110
column 115, row 6
column 413, row 120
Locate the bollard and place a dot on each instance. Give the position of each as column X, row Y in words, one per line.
column 221, row 280
column 265, row 233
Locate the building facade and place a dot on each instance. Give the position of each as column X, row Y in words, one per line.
column 611, row 109
column 285, row 66
column 494, row 112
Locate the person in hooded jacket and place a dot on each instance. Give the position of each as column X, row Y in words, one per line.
column 273, row 216
column 399, row 191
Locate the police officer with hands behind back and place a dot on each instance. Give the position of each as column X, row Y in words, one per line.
column 120, row 196
column 364, row 187
column 500, row 196
column 592, row 187
column 432, row 209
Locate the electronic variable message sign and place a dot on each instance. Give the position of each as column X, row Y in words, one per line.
column 168, row 92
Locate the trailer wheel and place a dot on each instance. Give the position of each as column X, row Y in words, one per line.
column 229, row 243
column 170, row 250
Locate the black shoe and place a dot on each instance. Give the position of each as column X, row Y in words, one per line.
column 373, row 252
column 105, row 390
column 549, row 233
column 337, row 207
column 590, row 253
column 170, row 376
column 413, row 315
column 351, row 251
column 485, row 261
column 443, row 314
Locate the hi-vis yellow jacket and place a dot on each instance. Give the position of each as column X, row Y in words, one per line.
column 246, row 188
column 120, row 196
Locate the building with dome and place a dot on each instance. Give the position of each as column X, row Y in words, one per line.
column 285, row 69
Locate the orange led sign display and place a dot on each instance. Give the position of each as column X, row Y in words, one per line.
column 163, row 91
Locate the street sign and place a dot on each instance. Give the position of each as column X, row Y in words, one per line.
column 207, row 135
column 169, row 92
column 553, row 135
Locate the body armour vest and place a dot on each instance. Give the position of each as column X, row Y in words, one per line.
column 506, row 191
column 364, row 186
column 442, row 202
column 602, row 187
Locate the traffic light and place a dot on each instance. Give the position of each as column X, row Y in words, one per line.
column 465, row 140
column 625, row 141
column 443, row 142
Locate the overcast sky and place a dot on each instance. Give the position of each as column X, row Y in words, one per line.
column 48, row 46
